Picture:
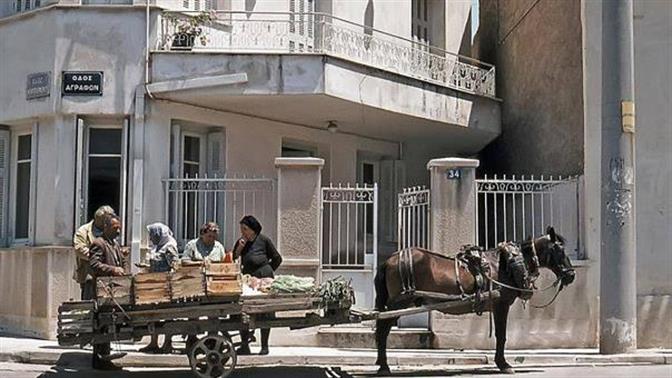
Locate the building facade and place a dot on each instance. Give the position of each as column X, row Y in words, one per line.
column 115, row 102
column 176, row 110
column 549, row 73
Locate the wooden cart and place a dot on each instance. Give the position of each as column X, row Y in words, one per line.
column 218, row 319
column 215, row 320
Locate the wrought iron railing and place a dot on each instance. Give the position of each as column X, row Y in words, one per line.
column 515, row 208
column 413, row 208
column 349, row 227
column 192, row 201
column 318, row 33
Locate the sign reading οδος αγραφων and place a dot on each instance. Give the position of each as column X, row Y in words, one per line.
column 83, row 83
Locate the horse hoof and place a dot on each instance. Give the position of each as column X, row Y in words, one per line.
column 507, row 370
column 384, row 370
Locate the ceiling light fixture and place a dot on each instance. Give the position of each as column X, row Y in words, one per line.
column 332, row 127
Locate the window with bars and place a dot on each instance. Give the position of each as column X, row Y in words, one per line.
column 25, row 5
column 301, row 22
column 199, row 5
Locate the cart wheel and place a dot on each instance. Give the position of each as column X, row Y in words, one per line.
column 213, row 356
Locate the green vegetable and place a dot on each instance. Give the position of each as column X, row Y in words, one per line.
column 337, row 290
column 292, row 284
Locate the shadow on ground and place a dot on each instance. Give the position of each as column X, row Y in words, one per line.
column 258, row 372
column 446, row 373
column 77, row 365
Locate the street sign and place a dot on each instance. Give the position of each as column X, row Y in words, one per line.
column 38, row 85
column 83, row 83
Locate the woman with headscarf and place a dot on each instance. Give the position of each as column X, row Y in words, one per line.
column 259, row 258
column 161, row 258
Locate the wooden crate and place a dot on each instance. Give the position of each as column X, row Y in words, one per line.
column 223, row 270
column 76, row 322
column 114, row 289
column 223, row 287
column 187, row 282
column 152, row 288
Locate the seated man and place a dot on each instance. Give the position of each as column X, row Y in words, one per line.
column 206, row 246
column 106, row 259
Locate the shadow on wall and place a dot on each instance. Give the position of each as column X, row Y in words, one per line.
column 249, row 6
column 368, row 18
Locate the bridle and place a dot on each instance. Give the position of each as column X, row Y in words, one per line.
column 533, row 266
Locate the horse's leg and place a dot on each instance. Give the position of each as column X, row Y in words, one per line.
column 383, row 328
column 501, row 314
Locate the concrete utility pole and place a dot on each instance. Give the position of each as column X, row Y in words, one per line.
column 618, row 285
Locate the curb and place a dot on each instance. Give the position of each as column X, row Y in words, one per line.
column 135, row 360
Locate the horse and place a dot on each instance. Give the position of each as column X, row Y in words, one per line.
column 435, row 273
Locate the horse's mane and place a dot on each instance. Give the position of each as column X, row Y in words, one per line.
column 561, row 238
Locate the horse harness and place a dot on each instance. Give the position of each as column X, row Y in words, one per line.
column 471, row 256
column 406, row 271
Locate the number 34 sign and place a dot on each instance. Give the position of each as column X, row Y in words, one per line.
column 453, row 174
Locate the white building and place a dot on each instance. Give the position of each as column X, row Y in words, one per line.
column 352, row 82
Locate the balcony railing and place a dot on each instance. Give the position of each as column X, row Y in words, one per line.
column 318, row 33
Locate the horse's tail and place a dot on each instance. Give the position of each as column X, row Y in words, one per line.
column 382, row 294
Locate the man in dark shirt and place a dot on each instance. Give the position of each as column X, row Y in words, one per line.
column 105, row 259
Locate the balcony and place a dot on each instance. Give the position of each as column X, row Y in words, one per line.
column 322, row 34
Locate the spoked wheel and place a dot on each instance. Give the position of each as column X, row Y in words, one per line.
column 213, row 356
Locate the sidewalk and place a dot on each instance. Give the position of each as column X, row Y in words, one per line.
column 47, row 352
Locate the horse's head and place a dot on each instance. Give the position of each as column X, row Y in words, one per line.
column 549, row 252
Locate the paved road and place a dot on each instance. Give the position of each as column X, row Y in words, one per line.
column 9, row 370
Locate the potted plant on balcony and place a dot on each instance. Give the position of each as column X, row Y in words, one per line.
column 187, row 29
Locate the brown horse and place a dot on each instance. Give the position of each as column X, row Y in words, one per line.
column 437, row 273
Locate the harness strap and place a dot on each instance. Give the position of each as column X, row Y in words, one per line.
column 457, row 275
column 406, row 271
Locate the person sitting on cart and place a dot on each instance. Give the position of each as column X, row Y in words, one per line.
column 206, row 246
column 162, row 257
column 106, row 259
column 259, row 258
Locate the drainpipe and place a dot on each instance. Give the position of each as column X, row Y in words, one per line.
column 137, row 169
column 618, row 280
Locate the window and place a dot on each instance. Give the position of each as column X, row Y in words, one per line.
column 292, row 151
column 101, row 171
column 192, row 156
column 420, row 21
column 191, row 168
column 104, row 169
column 25, row 5
column 22, row 198
column 199, row 5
